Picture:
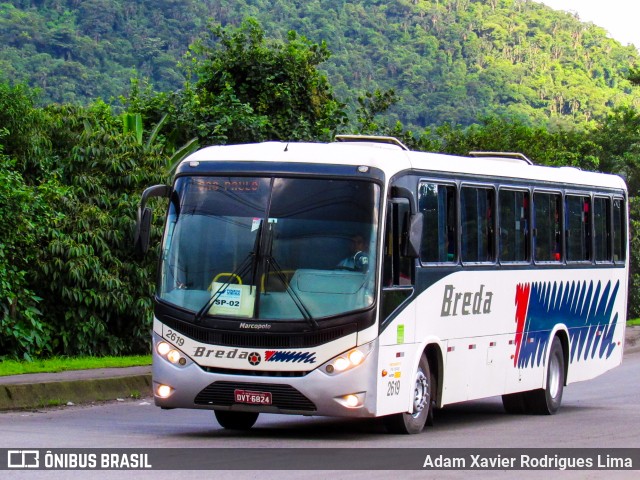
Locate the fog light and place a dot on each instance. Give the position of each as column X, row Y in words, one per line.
column 164, row 391
column 351, row 401
column 173, row 356
column 163, row 348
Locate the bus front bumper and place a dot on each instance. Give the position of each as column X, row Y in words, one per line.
column 351, row 393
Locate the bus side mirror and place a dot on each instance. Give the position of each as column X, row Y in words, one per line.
column 413, row 245
column 143, row 223
column 143, row 231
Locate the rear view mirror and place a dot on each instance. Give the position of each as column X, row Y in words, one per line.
column 143, row 224
column 414, row 236
column 143, row 231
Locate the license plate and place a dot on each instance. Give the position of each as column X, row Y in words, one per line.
column 252, row 398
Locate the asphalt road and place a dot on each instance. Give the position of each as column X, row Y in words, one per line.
column 600, row 413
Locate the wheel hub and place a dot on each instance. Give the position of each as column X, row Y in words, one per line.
column 421, row 393
column 554, row 377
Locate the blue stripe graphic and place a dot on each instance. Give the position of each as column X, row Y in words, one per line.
column 584, row 307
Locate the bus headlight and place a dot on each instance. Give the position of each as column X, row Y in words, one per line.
column 163, row 348
column 170, row 353
column 347, row 360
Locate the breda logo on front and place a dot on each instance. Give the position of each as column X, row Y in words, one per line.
column 254, row 358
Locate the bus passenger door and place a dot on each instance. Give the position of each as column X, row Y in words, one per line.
column 398, row 270
column 397, row 314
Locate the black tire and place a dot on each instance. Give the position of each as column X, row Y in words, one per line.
column 412, row 423
column 546, row 401
column 236, row 420
column 433, row 394
column 514, row 403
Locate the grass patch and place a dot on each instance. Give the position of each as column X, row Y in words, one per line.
column 633, row 322
column 59, row 364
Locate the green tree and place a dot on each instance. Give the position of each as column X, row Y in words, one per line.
column 27, row 208
column 26, row 213
column 95, row 291
column 372, row 105
column 251, row 89
column 25, row 137
column 618, row 136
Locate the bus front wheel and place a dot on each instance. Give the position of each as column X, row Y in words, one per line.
column 236, row 420
column 411, row 423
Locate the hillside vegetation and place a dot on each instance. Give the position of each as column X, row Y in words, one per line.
column 72, row 167
column 447, row 60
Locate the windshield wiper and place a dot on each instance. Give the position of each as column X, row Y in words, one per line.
column 250, row 262
column 273, row 264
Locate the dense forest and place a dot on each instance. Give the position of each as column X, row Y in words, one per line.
column 448, row 61
column 73, row 166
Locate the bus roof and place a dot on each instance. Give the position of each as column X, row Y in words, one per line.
column 393, row 158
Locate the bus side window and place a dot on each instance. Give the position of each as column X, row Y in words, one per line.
column 547, row 223
column 619, row 231
column 477, row 207
column 437, row 203
column 514, row 225
column 578, row 228
column 602, row 229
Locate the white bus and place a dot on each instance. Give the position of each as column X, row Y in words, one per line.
column 360, row 279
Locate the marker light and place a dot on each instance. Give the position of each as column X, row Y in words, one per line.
column 164, row 391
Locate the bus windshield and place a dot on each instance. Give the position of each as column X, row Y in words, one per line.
column 270, row 248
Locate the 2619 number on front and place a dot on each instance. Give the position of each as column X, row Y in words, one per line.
column 252, row 398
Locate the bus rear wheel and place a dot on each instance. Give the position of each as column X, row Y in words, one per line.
column 546, row 401
column 514, row 402
column 543, row 401
column 236, row 420
column 411, row 423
